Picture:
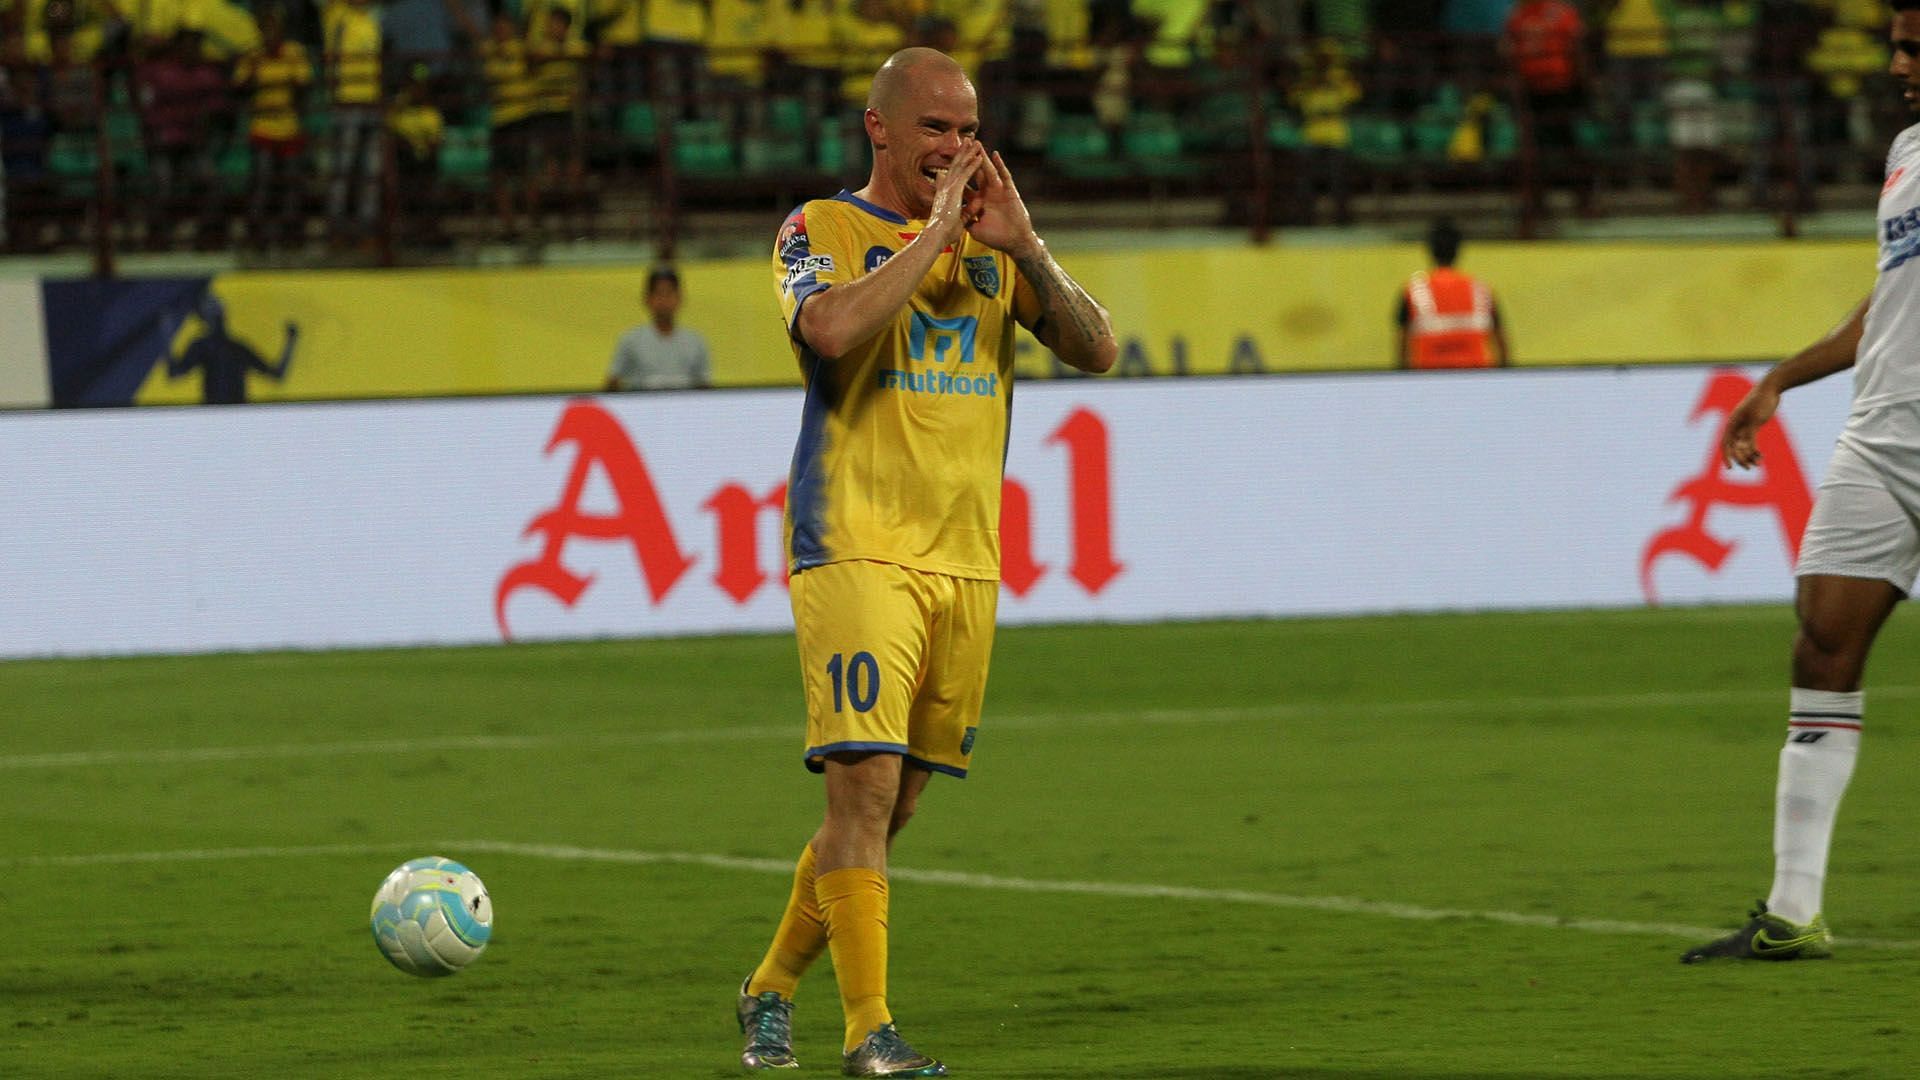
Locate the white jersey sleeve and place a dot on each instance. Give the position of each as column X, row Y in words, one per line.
column 1887, row 367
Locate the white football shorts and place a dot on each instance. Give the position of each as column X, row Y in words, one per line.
column 1866, row 517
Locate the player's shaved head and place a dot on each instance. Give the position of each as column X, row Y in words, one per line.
column 909, row 70
column 922, row 113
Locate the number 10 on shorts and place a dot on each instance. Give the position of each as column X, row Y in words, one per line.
column 856, row 681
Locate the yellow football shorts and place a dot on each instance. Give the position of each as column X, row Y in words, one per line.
column 894, row 660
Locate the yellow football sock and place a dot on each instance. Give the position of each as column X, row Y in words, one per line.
column 799, row 941
column 854, row 901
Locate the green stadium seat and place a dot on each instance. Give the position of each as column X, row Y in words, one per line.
column 1151, row 145
column 235, row 166
column 1432, row 130
column 1648, row 126
column 1283, row 132
column 122, row 125
column 772, row 153
column 830, row 153
column 1376, row 139
column 1079, row 146
column 701, row 147
column 1743, row 113
column 317, row 124
column 72, row 159
column 1591, row 134
column 124, row 144
column 637, row 124
column 1503, row 134
column 466, row 155
column 787, row 116
column 1219, row 122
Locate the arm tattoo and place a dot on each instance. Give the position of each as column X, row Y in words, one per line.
column 1065, row 307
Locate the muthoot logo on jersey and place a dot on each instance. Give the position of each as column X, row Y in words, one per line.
column 940, row 382
column 633, row 510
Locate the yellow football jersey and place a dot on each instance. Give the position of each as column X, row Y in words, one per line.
column 903, row 439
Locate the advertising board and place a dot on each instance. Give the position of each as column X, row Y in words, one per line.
column 481, row 520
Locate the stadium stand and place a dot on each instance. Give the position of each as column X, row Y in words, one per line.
column 125, row 128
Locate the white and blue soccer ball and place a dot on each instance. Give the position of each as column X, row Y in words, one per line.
column 432, row 917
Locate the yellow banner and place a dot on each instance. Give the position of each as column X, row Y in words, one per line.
column 1201, row 311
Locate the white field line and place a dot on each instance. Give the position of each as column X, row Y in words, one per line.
column 1335, row 905
column 1279, row 711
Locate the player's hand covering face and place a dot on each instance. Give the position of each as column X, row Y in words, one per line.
column 955, row 203
column 1001, row 221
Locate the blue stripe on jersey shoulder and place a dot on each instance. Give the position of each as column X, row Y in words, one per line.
column 888, row 216
column 803, row 287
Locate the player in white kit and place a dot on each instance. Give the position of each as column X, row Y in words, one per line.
column 1861, row 552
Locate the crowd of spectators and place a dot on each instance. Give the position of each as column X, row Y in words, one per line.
column 220, row 123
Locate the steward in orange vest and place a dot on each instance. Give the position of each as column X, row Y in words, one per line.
column 1448, row 319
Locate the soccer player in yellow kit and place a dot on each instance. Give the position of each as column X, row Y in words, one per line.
column 900, row 301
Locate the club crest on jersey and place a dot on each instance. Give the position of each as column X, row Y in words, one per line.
column 984, row 272
column 966, row 742
column 877, row 256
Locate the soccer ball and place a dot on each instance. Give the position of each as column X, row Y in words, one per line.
column 432, row 917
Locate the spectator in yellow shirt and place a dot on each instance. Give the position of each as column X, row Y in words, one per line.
column 615, row 28
column 801, row 57
column 535, row 14
column 1635, row 43
column 503, row 60
column 1323, row 98
column 419, row 129
column 1180, row 39
column 1016, row 85
column 352, row 32
column 92, row 26
column 736, row 62
column 676, row 32
column 277, row 75
column 556, row 62
column 866, row 33
column 983, row 30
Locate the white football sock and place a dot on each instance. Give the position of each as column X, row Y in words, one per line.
column 1823, row 738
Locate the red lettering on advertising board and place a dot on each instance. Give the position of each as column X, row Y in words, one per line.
column 738, row 521
column 1778, row 484
column 1085, row 436
column 639, row 518
column 1018, row 570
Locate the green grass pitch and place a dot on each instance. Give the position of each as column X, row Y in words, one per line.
column 1382, row 847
